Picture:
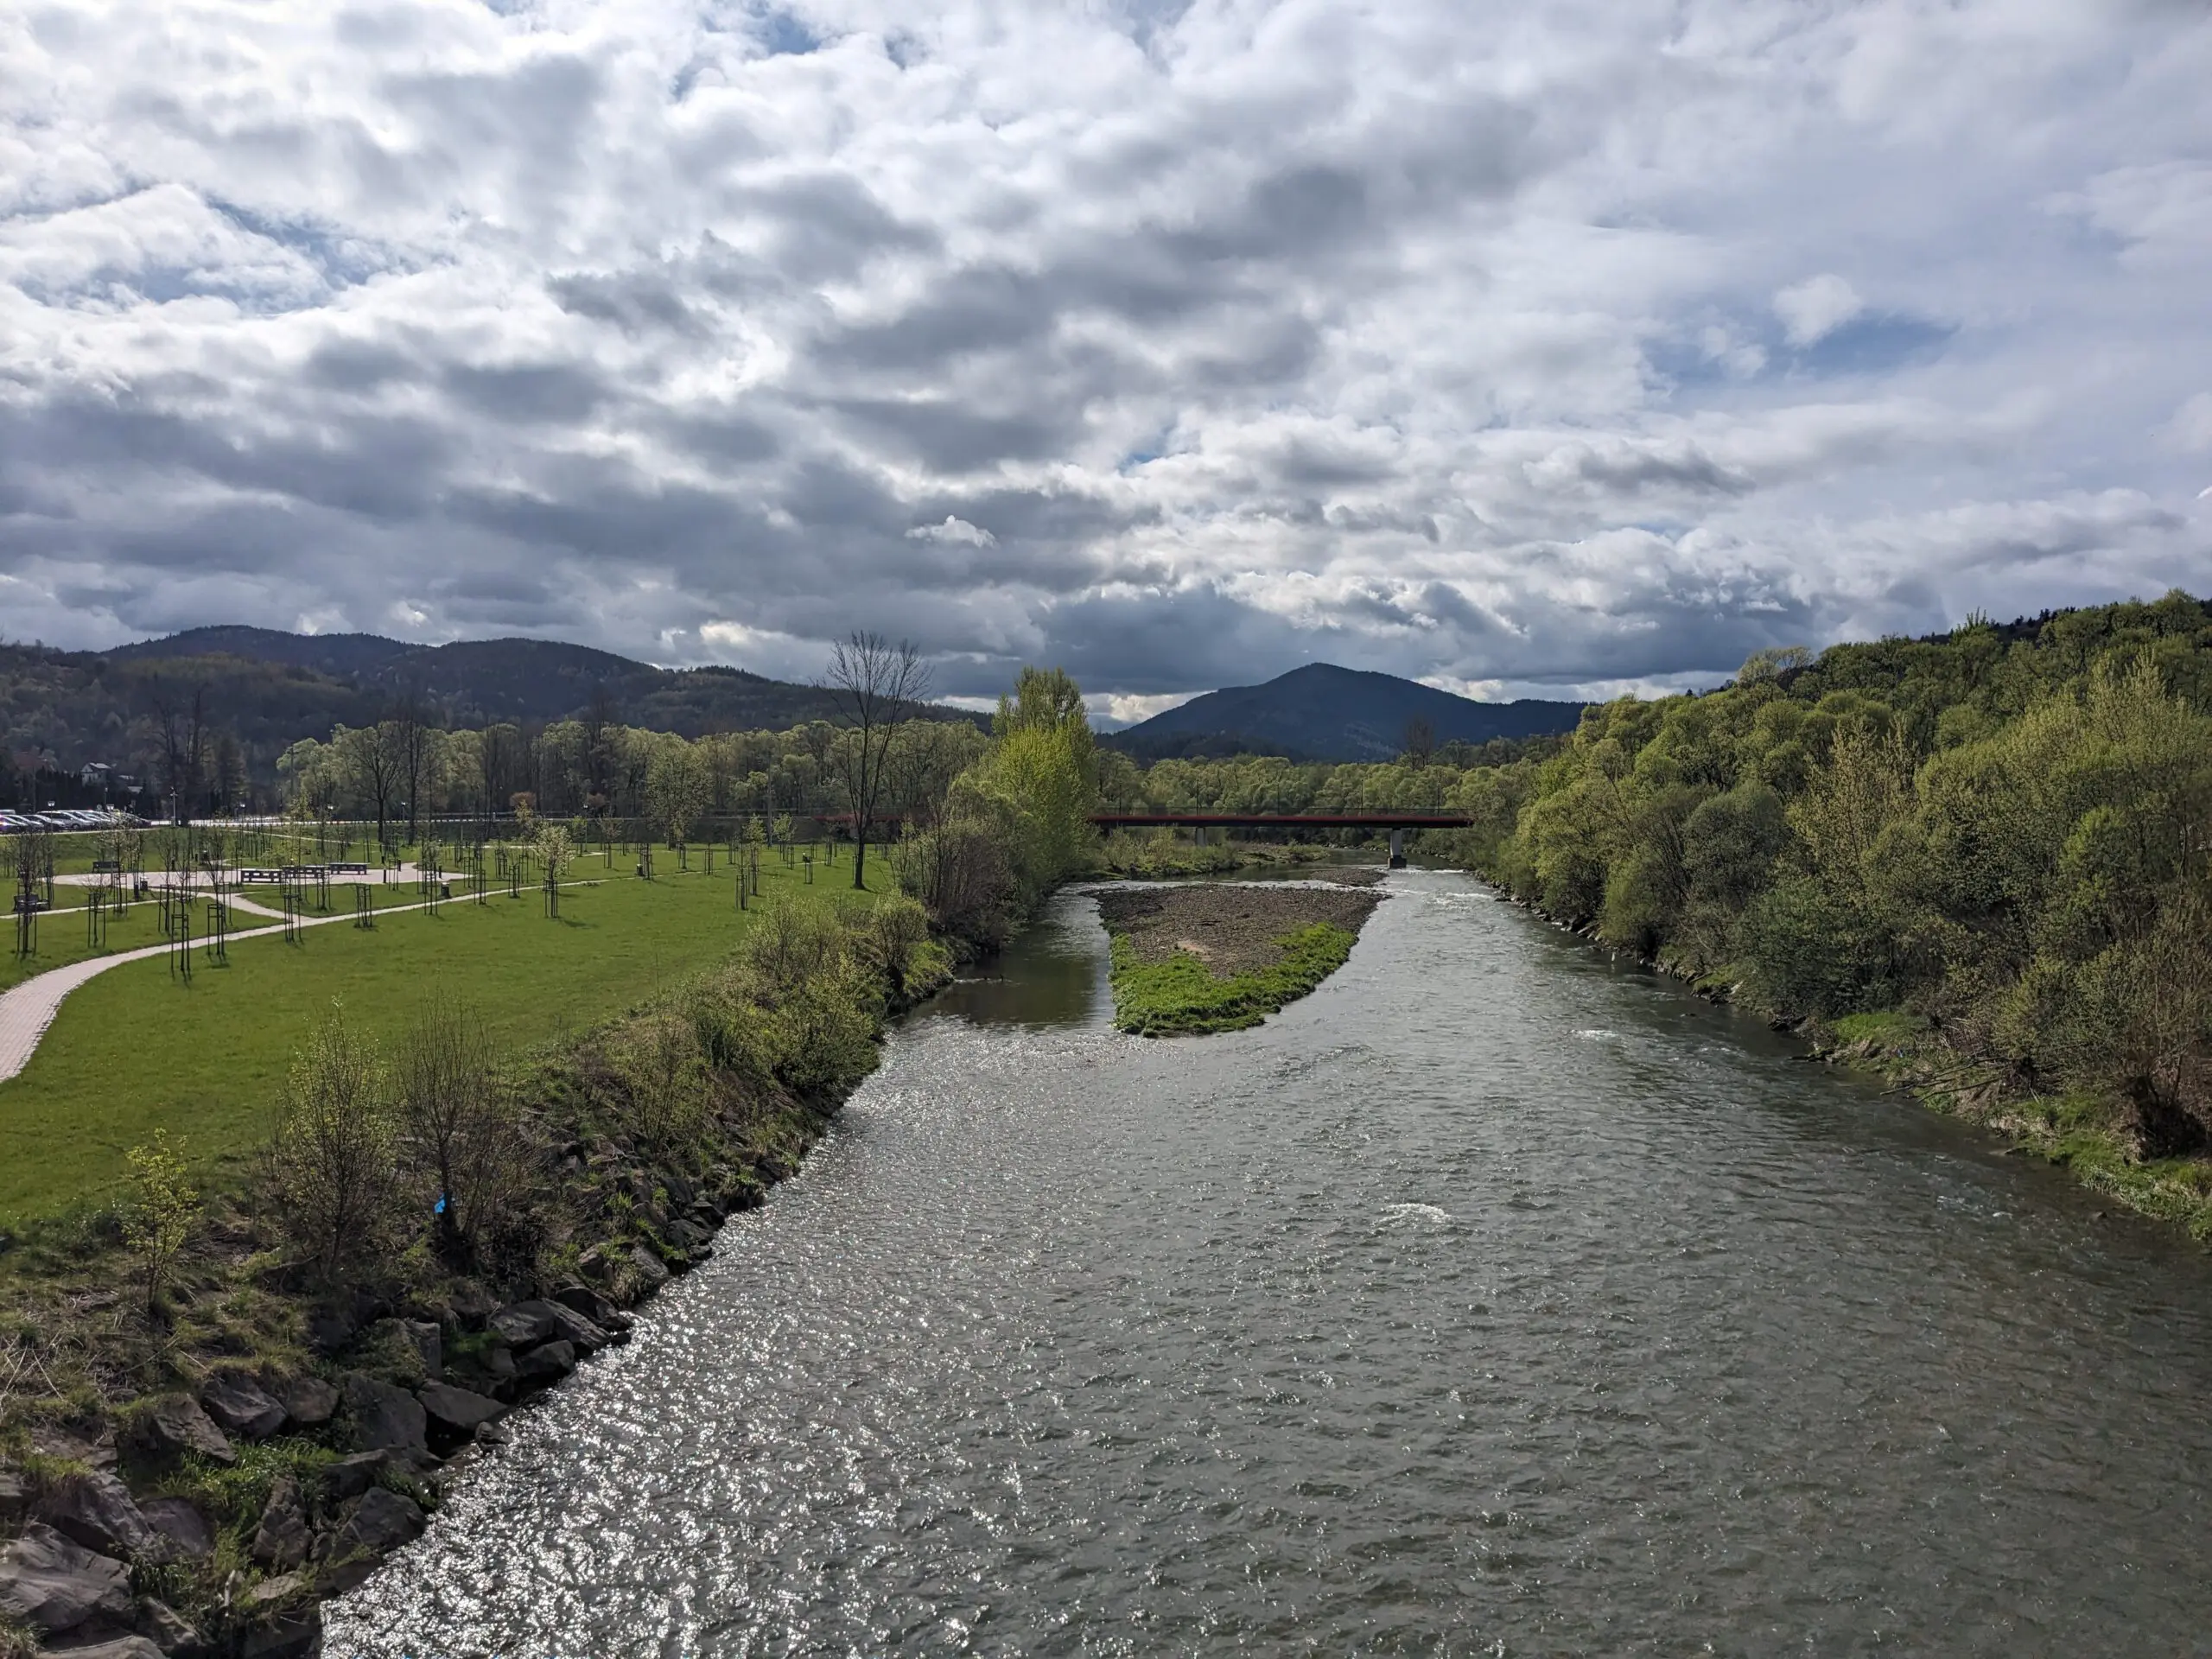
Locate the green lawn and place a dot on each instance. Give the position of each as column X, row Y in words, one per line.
column 61, row 936
column 133, row 1051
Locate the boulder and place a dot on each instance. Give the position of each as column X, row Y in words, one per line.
column 329, row 1329
column 385, row 1417
column 524, row 1325
column 652, row 1271
column 270, row 1592
column 579, row 1332
column 295, row 1636
column 122, row 1647
column 54, row 1584
column 348, row 1478
column 240, row 1406
column 280, row 1543
column 472, row 1304
column 682, row 1231
column 428, row 1342
column 547, row 1362
column 583, row 1298
column 179, row 1520
column 175, row 1425
column 95, row 1449
column 309, row 1401
column 457, row 1411
column 379, row 1523
column 166, row 1627
column 97, row 1511
column 681, row 1192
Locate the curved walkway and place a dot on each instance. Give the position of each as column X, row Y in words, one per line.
column 29, row 1009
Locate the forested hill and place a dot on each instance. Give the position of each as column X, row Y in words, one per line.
column 1986, row 848
column 257, row 691
column 1321, row 712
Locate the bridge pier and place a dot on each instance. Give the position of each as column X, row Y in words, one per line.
column 1397, row 849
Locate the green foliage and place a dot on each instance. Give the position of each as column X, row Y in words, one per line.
column 1179, row 996
column 1997, row 832
column 159, row 1219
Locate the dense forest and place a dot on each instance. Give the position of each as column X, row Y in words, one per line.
column 1992, row 841
column 201, row 719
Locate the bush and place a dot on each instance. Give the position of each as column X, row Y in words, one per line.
column 331, row 1158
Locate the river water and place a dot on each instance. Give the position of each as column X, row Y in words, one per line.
column 1492, row 1300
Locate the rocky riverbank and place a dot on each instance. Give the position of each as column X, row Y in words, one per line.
column 198, row 1483
column 1222, row 956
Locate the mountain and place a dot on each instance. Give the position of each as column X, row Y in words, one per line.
column 267, row 689
column 476, row 681
column 1321, row 712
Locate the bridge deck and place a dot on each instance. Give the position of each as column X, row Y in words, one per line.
column 1281, row 820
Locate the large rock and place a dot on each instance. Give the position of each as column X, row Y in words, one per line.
column 457, row 1411
column 280, row 1543
column 122, row 1647
column 573, row 1328
column 385, row 1417
column 175, row 1425
column 93, row 1448
column 54, row 1585
column 379, row 1523
column 293, row 1636
column 524, row 1325
column 309, row 1401
column 428, row 1344
column 681, row 1230
column 583, row 1298
column 652, row 1271
column 547, row 1362
column 472, row 1304
column 97, row 1511
column 179, row 1520
column 165, row 1627
column 240, row 1406
column 348, row 1478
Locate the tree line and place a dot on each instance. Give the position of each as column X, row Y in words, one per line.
column 1997, row 835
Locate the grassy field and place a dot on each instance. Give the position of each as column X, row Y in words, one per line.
column 133, row 1051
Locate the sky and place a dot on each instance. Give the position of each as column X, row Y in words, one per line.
column 1552, row 349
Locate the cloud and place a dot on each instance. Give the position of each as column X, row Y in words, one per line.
column 1176, row 344
column 956, row 531
column 1816, row 307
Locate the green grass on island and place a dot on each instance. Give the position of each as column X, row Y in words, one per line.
column 134, row 1050
column 1220, row 956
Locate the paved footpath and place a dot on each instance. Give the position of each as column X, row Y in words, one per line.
column 28, row 1010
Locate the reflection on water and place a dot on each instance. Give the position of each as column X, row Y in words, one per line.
column 1491, row 1299
column 1048, row 976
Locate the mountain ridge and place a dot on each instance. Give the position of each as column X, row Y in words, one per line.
column 1320, row 711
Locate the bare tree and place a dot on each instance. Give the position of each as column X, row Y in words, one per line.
column 417, row 736
column 876, row 684
column 463, row 1128
column 184, row 752
column 1419, row 741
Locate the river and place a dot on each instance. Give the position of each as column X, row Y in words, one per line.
column 1494, row 1298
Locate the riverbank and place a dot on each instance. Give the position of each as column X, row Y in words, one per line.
column 1154, row 857
column 2093, row 1139
column 200, row 1478
column 1220, row 956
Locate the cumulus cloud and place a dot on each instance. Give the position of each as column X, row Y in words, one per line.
column 1178, row 343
